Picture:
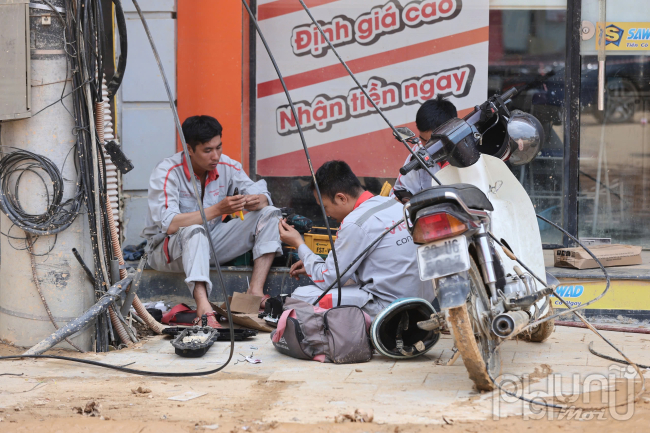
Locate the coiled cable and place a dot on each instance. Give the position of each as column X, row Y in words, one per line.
column 59, row 213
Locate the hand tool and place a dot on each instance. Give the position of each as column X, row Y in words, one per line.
column 240, row 213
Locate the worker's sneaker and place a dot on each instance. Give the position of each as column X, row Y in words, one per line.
column 211, row 319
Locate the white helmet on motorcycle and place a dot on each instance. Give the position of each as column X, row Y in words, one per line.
column 526, row 137
column 395, row 332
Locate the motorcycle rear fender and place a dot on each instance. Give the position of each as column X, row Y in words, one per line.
column 513, row 218
column 452, row 291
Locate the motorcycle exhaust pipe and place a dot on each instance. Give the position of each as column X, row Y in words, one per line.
column 510, row 323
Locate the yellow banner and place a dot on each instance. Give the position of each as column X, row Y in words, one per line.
column 624, row 36
column 622, row 295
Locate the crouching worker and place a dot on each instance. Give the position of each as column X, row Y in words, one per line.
column 388, row 271
column 177, row 241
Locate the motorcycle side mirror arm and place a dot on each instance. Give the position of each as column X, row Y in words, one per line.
column 404, row 133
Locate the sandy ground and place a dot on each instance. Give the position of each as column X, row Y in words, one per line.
column 284, row 394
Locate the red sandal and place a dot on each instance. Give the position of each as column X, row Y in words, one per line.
column 212, row 320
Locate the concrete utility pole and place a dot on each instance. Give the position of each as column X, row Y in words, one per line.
column 24, row 320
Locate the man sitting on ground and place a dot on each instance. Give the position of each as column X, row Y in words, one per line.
column 388, row 271
column 177, row 241
column 430, row 116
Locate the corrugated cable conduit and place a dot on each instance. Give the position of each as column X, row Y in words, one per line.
column 115, row 321
column 103, row 117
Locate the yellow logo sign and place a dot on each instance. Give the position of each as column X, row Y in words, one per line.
column 624, row 36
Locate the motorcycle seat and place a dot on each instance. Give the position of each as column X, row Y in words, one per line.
column 469, row 194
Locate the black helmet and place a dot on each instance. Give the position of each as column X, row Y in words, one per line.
column 395, row 332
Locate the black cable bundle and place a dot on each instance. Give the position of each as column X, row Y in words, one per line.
column 84, row 45
column 58, row 216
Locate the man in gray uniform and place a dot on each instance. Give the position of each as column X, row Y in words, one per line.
column 177, row 241
column 387, row 272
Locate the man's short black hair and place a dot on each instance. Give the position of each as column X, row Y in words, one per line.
column 201, row 129
column 434, row 113
column 334, row 177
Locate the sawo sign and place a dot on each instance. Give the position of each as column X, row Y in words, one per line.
column 624, row 36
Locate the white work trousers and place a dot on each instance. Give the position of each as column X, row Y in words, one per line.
column 188, row 249
column 350, row 295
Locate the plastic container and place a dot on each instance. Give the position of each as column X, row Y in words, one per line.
column 318, row 241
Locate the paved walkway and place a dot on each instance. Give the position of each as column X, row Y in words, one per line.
column 282, row 389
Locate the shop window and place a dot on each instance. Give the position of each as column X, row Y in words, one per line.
column 614, row 164
column 527, row 50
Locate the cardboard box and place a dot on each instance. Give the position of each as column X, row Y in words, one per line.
column 588, row 242
column 245, row 309
column 609, row 255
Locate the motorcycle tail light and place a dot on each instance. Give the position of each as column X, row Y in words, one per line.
column 437, row 226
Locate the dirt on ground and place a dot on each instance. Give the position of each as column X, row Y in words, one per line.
column 79, row 424
column 135, row 404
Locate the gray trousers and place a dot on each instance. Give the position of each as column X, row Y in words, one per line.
column 350, row 295
column 188, row 249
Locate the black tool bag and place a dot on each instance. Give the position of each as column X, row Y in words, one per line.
column 339, row 335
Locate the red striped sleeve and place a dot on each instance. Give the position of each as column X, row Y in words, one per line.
column 230, row 165
column 165, row 184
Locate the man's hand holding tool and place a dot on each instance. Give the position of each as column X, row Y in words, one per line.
column 290, row 235
column 293, row 238
column 231, row 205
column 239, row 214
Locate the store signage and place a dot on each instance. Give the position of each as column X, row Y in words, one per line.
column 624, row 295
column 624, row 36
column 403, row 52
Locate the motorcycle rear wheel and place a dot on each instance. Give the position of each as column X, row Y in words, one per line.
column 472, row 342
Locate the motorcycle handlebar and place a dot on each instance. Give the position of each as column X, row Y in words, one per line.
column 509, row 94
column 415, row 163
column 409, row 167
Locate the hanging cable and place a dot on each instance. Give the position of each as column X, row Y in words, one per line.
column 565, row 312
column 83, row 160
column 304, row 146
column 197, row 195
column 423, row 165
column 83, row 46
column 357, row 258
column 365, row 92
column 610, row 358
column 570, row 309
column 118, row 76
column 122, row 369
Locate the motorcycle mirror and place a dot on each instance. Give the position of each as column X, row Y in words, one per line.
column 526, row 136
column 404, row 133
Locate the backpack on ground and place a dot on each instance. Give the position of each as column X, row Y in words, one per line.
column 339, row 335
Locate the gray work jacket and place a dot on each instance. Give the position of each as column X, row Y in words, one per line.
column 171, row 191
column 389, row 270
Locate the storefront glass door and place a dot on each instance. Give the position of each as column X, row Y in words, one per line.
column 614, row 163
column 528, row 50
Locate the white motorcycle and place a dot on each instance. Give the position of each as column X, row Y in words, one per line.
column 471, row 228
